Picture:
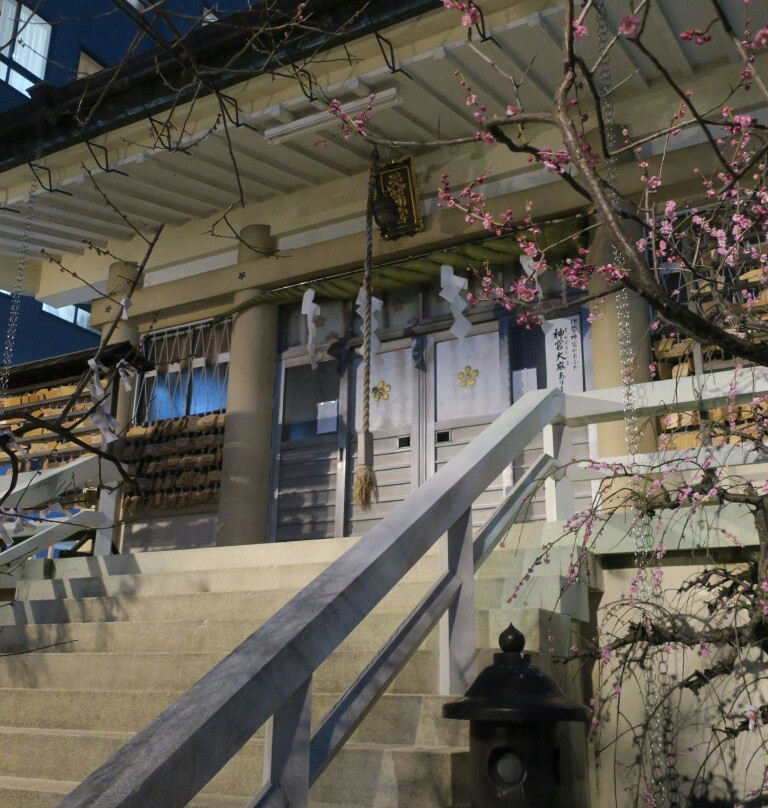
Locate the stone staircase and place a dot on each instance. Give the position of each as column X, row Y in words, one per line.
column 95, row 648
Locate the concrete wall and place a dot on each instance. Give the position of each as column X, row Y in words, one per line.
column 162, row 533
column 694, row 716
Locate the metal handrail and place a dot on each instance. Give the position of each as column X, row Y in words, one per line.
column 268, row 674
column 350, row 709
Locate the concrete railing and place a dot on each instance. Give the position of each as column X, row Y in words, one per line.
column 269, row 676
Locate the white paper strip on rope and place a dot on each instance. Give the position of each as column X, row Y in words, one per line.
column 453, row 289
column 311, row 311
column 5, row 536
column 12, row 442
column 103, row 420
column 562, row 342
column 127, row 374
column 22, row 525
column 376, row 307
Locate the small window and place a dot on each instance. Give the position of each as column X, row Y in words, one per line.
column 62, row 312
column 24, row 41
column 191, row 371
column 82, row 318
column 310, row 407
column 72, row 314
column 444, row 436
column 404, row 442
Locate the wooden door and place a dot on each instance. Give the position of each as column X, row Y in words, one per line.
column 468, row 387
column 394, row 422
column 310, row 438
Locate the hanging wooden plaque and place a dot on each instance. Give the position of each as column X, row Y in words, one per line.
column 396, row 181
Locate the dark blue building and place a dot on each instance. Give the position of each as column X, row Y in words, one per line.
column 44, row 332
column 56, row 42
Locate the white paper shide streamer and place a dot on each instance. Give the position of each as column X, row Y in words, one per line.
column 12, row 442
column 53, row 510
column 376, row 307
column 127, row 374
column 103, row 420
column 453, row 289
column 12, row 524
column 311, row 311
column 5, row 536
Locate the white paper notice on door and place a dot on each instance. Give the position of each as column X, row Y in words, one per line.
column 562, row 340
column 327, row 416
column 523, row 381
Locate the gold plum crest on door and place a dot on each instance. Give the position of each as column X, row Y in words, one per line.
column 381, row 391
column 468, row 376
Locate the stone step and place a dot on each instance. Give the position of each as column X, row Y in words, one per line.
column 559, row 562
column 129, row 633
column 553, row 591
column 206, row 558
column 171, row 583
column 543, row 631
column 218, row 579
column 366, row 774
column 210, row 635
column 168, row 608
column 374, row 775
column 32, row 792
column 29, row 792
column 178, row 671
column 223, row 605
column 398, row 719
column 269, row 557
column 188, row 582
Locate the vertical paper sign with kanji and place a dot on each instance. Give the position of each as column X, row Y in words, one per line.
column 562, row 339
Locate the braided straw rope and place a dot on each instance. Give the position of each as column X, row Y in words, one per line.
column 365, row 490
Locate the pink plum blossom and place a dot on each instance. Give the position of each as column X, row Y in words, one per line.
column 630, row 25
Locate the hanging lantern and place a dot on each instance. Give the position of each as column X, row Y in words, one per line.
column 386, row 212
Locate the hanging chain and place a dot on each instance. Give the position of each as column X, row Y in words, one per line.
column 18, row 286
column 368, row 292
column 660, row 735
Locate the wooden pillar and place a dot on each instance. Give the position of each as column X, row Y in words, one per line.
column 250, row 398
column 121, row 275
